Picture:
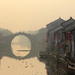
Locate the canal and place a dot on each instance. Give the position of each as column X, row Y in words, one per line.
column 21, row 46
column 30, row 66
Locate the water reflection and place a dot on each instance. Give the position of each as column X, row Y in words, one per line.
column 21, row 46
column 30, row 66
column 20, row 51
column 51, row 68
column 24, row 67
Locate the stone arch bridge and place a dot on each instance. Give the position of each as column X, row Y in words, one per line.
column 6, row 47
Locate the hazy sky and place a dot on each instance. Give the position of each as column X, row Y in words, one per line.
column 17, row 15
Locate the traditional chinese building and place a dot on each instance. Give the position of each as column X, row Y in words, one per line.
column 63, row 38
column 69, row 32
column 58, row 41
column 52, row 27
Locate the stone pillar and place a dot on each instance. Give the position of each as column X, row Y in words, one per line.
column 73, row 32
column 72, row 46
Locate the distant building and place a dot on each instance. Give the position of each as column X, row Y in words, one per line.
column 6, row 32
column 32, row 32
column 42, row 34
column 1, row 35
column 42, row 37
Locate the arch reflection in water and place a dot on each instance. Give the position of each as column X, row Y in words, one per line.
column 21, row 46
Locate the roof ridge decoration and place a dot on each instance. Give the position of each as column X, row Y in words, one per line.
column 67, row 22
column 55, row 21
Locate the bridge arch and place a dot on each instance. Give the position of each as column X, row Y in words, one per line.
column 21, row 46
column 8, row 39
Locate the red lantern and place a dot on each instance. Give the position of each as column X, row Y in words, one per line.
column 70, row 36
column 63, row 47
column 58, row 45
column 70, row 33
column 47, row 35
column 66, row 36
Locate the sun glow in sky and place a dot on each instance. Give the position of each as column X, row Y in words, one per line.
column 17, row 15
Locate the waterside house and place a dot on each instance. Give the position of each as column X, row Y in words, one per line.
column 51, row 28
column 61, row 43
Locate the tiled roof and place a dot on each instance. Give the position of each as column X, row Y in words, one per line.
column 70, row 28
column 69, row 21
column 55, row 21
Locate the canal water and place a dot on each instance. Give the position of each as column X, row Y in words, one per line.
column 31, row 66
